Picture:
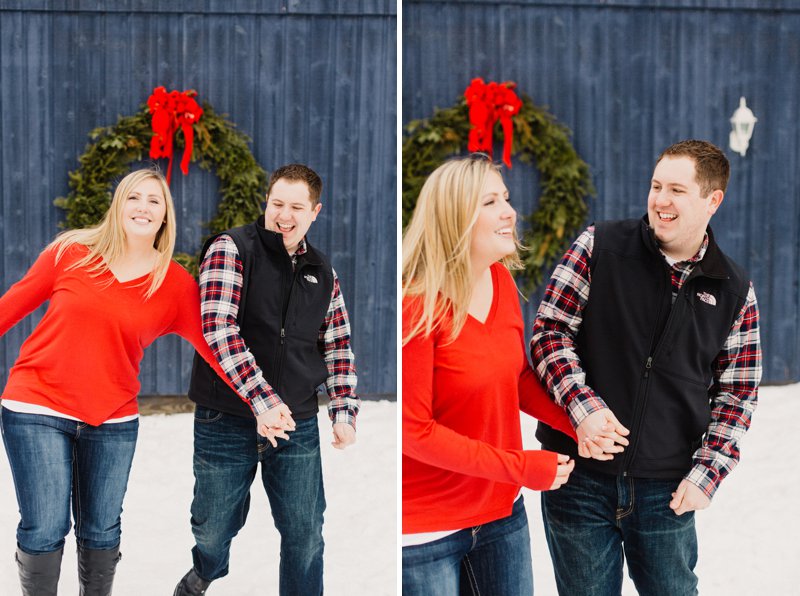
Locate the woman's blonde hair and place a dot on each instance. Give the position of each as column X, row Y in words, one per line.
column 436, row 245
column 106, row 241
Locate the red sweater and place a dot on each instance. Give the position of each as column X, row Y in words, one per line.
column 83, row 357
column 463, row 462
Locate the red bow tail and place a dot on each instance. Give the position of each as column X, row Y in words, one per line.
column 480, row 133
column 188, row 135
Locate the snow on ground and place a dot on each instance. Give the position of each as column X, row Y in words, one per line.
column 748, row 538
column 360, row 521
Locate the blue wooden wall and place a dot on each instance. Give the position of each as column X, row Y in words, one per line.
column 629, row 78
column 308, row 80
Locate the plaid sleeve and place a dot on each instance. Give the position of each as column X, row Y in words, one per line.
column 557, row 323
column 334, row 343
column 737, row 372
column 220, row 292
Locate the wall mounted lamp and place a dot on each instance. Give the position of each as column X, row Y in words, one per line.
column 742, row 123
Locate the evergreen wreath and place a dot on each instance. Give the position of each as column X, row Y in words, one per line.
column 538, row 138
column 217, row 145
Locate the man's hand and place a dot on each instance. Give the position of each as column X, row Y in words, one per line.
column 343, row 435
column 600, row 435
column 688, row 497
column 274, row 423
column 565, row 467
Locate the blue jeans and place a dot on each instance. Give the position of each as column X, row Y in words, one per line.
column 56, row 463
column 227, row 451
column 494, row 558
column 595, row 520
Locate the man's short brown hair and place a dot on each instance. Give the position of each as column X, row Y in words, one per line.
column 712, row 169
column 297, row 172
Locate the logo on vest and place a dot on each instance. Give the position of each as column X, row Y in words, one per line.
column 310, row 278
column 707, row 298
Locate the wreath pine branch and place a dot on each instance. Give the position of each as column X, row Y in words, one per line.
column 565, row 179
column 218, row 147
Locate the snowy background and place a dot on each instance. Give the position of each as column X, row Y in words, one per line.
column 360, row 520
column 748, row 538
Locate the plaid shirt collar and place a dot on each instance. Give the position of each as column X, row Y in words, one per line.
column 301, row 250
column 698, row 256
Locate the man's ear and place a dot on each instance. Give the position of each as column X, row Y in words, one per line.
column 716, row 200
column 316, row 211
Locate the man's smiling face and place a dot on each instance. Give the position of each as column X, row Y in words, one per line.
column 290, row 211
column 677, row 210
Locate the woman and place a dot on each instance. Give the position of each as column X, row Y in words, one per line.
column 465, row 379
column 69, row 410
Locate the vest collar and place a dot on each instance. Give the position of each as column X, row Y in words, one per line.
column 711, row 265
column 273, row 243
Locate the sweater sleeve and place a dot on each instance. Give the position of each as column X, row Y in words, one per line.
column 30, row 292
column 534, row 401
column 427, row 441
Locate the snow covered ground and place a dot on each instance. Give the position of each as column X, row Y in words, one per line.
column 748, row 538
column 360, row 521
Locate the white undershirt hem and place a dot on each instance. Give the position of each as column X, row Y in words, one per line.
column 25, row 408
column 427, row 537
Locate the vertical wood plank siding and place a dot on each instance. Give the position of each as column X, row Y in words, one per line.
column 629, row 78
column 307, row 81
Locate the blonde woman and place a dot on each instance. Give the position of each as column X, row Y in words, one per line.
column 465, row 379
column 69, row 411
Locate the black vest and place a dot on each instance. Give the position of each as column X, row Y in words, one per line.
column 651, row 360
column 280, row 314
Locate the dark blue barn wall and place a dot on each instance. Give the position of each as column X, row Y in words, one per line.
column 307, row 80
column 630, row 77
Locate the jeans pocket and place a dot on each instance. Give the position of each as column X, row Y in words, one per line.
column 206, row 415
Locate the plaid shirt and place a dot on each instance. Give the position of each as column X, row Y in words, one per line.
column 220, row 293
column 736, row 370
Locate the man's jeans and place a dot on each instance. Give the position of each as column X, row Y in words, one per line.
column 494, row 558
column 55, row 461
column 593, row 517
column 227, row 450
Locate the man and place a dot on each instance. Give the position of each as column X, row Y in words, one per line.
column 274, row 316
column 648, row 322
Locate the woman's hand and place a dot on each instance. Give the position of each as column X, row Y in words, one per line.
column 565, row 467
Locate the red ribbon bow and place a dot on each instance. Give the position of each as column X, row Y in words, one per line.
column 487, row 104
column 170, row 111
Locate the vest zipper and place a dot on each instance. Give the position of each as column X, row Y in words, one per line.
column 638, row 416
column 639, row 409
column 279, row 368
column 641, row 401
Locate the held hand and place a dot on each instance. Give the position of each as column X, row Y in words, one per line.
column 600, row 435
column 565, row 467
column 274, row 423
column 688, row 497
column 343, row 435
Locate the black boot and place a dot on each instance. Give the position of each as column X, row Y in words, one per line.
column 96, row 570
column 191, row 585
column 38, row 574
